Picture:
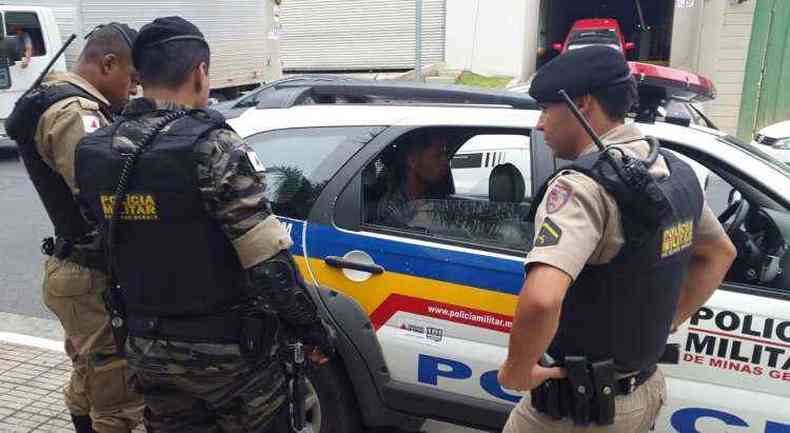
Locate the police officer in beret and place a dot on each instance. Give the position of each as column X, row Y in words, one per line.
column 203, row 280
column 625, row 250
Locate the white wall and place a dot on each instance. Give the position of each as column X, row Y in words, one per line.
column 729, row 67
column 712, row 39
column 487, row 37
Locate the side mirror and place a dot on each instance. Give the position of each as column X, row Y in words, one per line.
column 629, row 46
column 734, row 196
column 10, row 51
column 557, row 47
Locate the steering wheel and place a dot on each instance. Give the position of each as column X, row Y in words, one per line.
column 740, row 208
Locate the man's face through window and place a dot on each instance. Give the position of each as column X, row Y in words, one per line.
column 431, row 164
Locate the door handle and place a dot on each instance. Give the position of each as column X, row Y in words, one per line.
column 341, row 263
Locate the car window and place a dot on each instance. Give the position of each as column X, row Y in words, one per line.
column 453, row 184
column 762, row 238
column 26, row 26
column 300, row 162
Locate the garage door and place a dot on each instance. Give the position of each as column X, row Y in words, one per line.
column 334, row 35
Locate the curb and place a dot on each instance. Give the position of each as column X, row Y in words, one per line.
column 28, row 340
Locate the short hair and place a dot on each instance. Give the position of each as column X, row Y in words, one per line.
column 113, row 38
column 169, row 64
column 617, row 100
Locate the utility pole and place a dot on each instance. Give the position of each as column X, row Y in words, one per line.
column 418, row 42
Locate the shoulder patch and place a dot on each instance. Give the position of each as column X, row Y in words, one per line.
column 558, row 197
column 87, row 104
column 255, row 162
column 90, row 122
column 549, row 234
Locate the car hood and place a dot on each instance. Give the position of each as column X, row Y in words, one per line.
column 777, row 130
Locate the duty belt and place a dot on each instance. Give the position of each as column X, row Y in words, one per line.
column 588, row 394
column 196, row 329
column 65, row 249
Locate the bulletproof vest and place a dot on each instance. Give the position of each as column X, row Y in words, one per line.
column 56, row 195
column 623, row 310
column 171, row 258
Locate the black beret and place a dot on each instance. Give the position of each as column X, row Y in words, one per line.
column 580, row 72
column 164, row 30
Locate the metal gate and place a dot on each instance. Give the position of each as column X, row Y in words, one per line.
column 359, row 35
column 766, row 88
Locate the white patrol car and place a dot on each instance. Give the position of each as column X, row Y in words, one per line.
column 424, row 309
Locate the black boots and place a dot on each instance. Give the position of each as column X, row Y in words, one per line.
column 82, row 423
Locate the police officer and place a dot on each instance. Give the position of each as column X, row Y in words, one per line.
column 625, row 250
column 201, row 264
column 62, row 110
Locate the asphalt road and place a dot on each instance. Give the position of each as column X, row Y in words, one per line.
column 23, row 224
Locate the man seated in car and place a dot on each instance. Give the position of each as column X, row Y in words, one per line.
column 421, row 171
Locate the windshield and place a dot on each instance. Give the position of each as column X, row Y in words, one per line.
column 596, row 36
column 577, row 46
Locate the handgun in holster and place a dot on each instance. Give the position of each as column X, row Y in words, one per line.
column 547, row 398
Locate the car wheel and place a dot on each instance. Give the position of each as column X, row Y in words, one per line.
column 330, row 404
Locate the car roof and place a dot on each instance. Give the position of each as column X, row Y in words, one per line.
column 20, row 8
column 255, row 121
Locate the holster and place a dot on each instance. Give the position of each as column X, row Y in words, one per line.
column 116, row 307
column 603, row 376
column 581, row 389
column 259, row 334
column 588, row 394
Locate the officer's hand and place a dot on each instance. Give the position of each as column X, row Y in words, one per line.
column 519, row 381
column 321, row 336
column 539, row 374
column 315, row 355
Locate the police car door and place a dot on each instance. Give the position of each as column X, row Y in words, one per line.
column 439, row 282
column 734, row 371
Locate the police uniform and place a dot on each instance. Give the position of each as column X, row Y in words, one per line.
column 202, row 263
column 626, row 275
column 74, row 276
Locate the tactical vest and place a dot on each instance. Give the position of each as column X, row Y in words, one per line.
column 623, row 310
column 172, row 259
column 21, row 125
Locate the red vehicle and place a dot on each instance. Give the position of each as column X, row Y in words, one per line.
column 595, row 31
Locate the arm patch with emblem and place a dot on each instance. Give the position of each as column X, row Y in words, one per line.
column 255, row 162
column 549, row 235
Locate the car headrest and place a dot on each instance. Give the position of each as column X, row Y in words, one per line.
column 506, row 184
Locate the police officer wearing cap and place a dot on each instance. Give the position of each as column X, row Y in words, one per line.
column 47, row 123
column 203, row 280
column 625, row 250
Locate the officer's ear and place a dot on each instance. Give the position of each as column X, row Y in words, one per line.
column 201, row 77
column 584, row 103
column 108, row 62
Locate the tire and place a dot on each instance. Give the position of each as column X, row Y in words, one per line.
column 335, row 410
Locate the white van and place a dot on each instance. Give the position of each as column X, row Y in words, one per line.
column 39, row 24
column 476, row 159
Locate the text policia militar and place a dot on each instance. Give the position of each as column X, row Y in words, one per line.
column 741, row 342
